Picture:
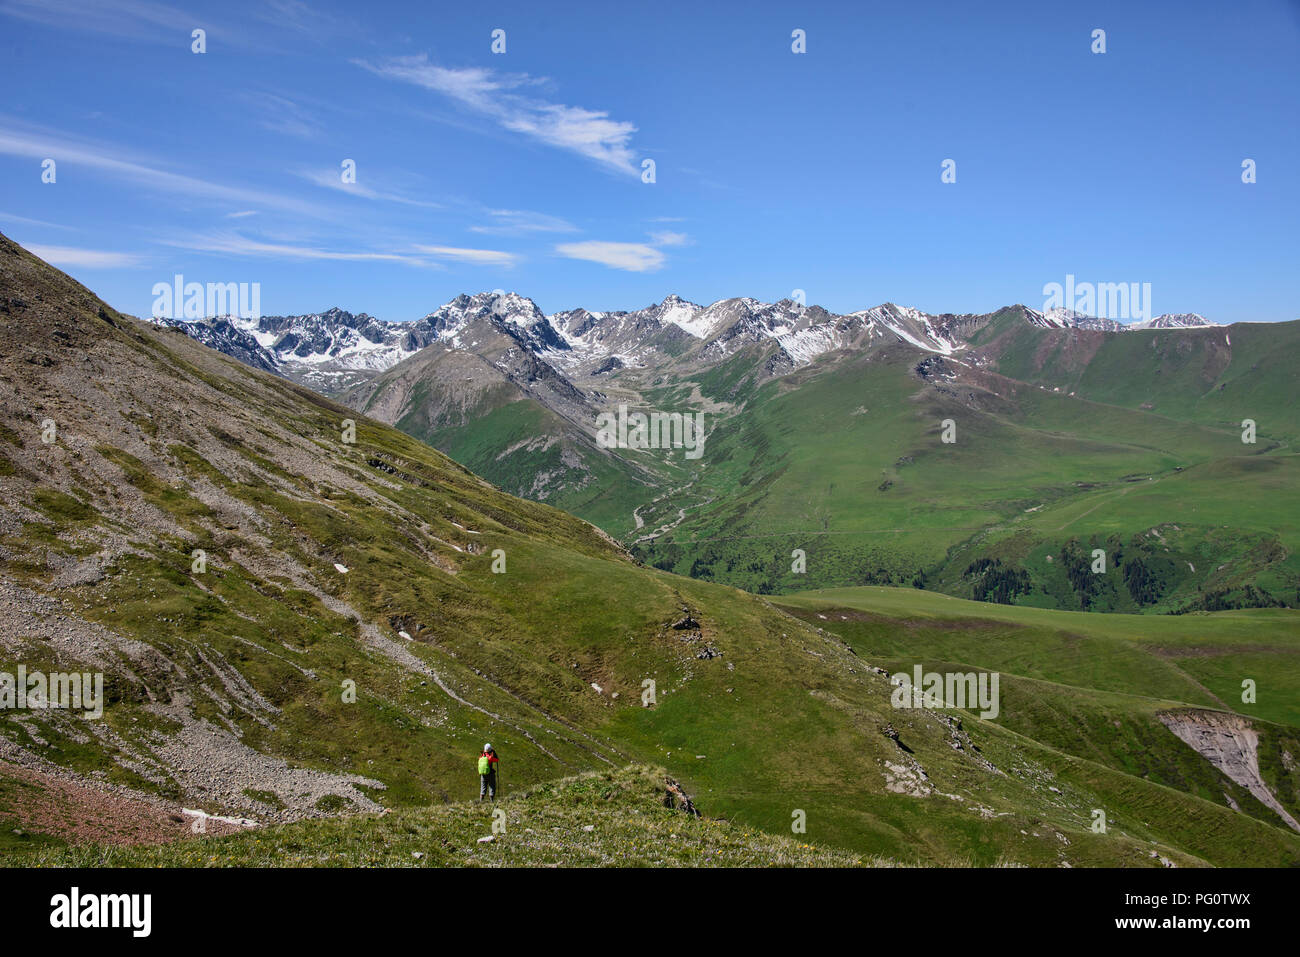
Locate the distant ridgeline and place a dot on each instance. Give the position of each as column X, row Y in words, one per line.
column 988, row 456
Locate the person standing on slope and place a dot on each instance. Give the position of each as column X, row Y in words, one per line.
column 487, row 773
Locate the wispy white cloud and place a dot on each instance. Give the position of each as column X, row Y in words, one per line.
column 236, row 245
column 241, row 214
column 23, row 220
column 519, row 222
column 84, row 258
column 305, row 19
column 667, row 238
column 477, row 257
column 501, row 97
column 330, row 179
column 146, row 21
column 279, row 114
column 128, row 19
column 73, row 152
column 631, row 257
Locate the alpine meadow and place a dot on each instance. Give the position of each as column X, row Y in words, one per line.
column 493, row 439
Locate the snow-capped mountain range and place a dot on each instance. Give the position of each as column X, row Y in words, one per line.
column 1067, row 318
column 335, row 349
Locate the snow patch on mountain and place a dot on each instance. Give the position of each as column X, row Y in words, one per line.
column 335, row 349
column 911, row 325
column 687, row 316
column 1062, row 318
column 1175, row 320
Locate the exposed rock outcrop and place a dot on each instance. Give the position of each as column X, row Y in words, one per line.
column 1231, row 744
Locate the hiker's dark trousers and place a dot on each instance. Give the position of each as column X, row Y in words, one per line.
column 487, row 784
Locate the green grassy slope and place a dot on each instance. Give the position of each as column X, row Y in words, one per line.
column 1162, row 656
column 598, row 819
column 1213, row 376
column 230, row 688
column 1094, row 686
column 844, row 460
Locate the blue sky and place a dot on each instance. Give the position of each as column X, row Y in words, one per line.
column 774, row 171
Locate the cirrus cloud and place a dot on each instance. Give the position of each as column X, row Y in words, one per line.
column 475, row 257
column 236, row 245
column 631, row 257
column 520, row 222
column 84, row 258
column 498, row 96
column 668, row 238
